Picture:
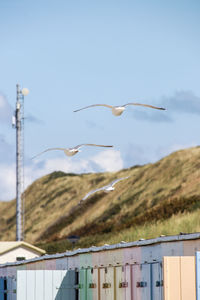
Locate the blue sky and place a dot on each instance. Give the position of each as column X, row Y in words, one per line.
column 76, row 53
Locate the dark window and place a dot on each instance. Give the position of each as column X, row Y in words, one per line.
column 76, row 282
column 5, row 289
column 19, row 258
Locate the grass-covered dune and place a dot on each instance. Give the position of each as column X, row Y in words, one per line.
column 159, row 198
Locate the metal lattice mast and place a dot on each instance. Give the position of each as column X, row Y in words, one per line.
column 22, row 165
column 18, row 166
column 19, row 125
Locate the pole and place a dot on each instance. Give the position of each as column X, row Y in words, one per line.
column 18, row 165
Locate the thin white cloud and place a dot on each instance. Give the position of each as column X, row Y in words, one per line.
column 7, row 150
column 182, row 102
column 7, row 182
column 6, row 110
column 164, row 151
column 105, row 161
column 109, row 161
column 155, row 116
column 32, row 119
column 135, row 154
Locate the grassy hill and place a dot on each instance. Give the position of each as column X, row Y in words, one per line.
column 159, row 198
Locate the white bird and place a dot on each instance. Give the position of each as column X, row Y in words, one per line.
column 118, row 110
column 107, row 188
column 71, row 151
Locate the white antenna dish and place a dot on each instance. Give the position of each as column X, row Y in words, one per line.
column 25, row 91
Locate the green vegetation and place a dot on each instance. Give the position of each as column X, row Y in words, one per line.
column 180, row 223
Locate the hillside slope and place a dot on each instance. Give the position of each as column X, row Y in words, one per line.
column 154, row 192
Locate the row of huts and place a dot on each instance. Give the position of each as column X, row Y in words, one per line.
column 164, row 268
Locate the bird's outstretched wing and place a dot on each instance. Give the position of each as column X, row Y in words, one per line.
column 81, row 145
column 106, row 105
column 46, row 151
column 92, row 192
column 146, row 105
column 117, row 180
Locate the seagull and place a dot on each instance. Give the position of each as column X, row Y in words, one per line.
column 107, row 188
column 71, row 151
column 118, row 110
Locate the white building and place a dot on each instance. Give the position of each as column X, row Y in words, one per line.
column 16, row 251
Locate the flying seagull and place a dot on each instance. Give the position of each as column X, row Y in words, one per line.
column 118, row 110
column 107, row 188
column 71, row 151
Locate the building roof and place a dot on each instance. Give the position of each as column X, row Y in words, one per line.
column 162, row 239
column 8, row 246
